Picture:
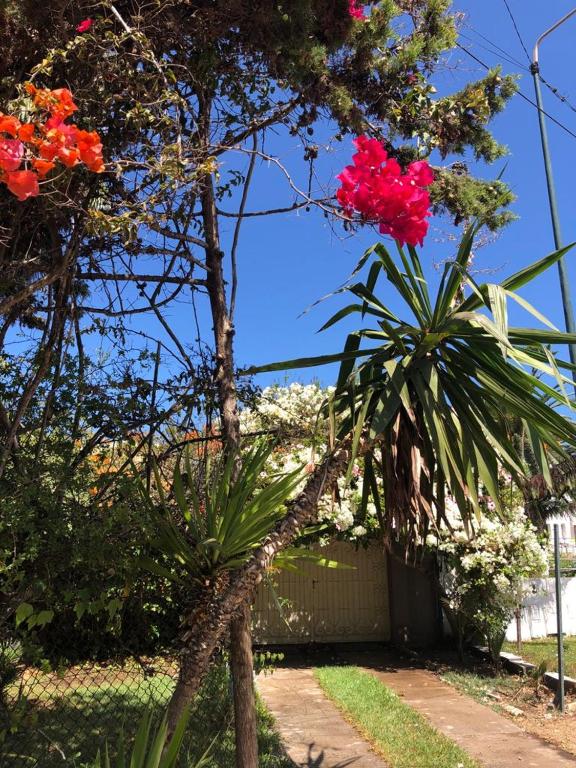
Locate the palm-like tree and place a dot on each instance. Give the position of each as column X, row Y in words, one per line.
column 431, row 394
column 426, row 402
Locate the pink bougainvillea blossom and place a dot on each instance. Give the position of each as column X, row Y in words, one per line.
column 11, row 154
column 355, row 9
column 380, row 192
column 84, row 25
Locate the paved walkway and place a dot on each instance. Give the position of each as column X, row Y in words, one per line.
column 312, row 729
column 317, row 736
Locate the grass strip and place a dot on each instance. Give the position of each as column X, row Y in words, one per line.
column 545, row 649
column 401, row 735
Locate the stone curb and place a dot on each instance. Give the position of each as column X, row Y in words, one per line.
column 517, row 664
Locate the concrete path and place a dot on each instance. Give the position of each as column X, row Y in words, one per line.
column 317, row 736
column 312, row 729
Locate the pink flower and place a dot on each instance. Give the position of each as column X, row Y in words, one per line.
column 377, row 189
column 11, row 154
column 356, row 9
column 85, row 25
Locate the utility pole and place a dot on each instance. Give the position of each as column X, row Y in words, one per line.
column 559, row 698
column 563, row 273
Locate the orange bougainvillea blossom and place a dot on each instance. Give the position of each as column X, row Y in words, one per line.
column 29, row 151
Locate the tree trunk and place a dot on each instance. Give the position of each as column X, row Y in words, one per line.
column 219, row 604
column 240, row 638
column 241, row 665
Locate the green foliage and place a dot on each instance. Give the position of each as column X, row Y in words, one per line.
column 67, row 586
column 216, row 530
column 470, row 198
column 483, row 576
column 150, row 749
column 544, row 651
column 78, row 719
column 298, row 64
column 459, row 120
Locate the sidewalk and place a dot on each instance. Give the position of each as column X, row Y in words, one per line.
column 313, row 731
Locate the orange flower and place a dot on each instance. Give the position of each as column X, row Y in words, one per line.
column 64, row 105
column 9, row 125
column 90, row 149
column 48, row 150
column 58, row 102
column 26, row 132
column 23, row 184
column 68, row 157
column 43, row 167
column 43, row 142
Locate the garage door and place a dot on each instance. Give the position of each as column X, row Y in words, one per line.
column 327, row 605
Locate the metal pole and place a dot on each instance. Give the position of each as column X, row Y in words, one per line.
column 559, row 698
column 563, row 274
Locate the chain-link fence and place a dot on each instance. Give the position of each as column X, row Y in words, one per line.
column 63, row 717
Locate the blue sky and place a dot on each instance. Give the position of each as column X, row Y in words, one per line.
column 287, row 262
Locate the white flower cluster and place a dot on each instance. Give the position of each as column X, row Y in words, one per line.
column 294, row 408
column 294, row 412
column 500, row 553
column 342, row 509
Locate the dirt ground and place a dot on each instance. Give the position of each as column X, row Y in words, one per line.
column 540, row 717
column 36, row 684
column 532, row 701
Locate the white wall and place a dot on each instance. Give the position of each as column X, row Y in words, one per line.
column 539, row 609
column 567, row 532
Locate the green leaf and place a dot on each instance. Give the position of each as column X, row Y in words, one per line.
column 43, row 618
column 23, row 612
column 306, row 362
column 497, row 297
column 291, row 555
column 523, row 276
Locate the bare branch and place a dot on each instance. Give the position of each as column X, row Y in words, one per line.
column 140, row 278
column 234, row 287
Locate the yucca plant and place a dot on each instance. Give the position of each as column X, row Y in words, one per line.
column 150, row 748
column 214, row 529
column 430, row 395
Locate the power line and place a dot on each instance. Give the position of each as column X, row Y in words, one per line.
column 507, row 56
column 519, row 93
column 501, row 51
column 561, row 97
column 556, row 92
column 513, row 20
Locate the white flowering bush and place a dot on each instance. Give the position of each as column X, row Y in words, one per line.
column 291, row 410
column 294, row 413
column 484, row 572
